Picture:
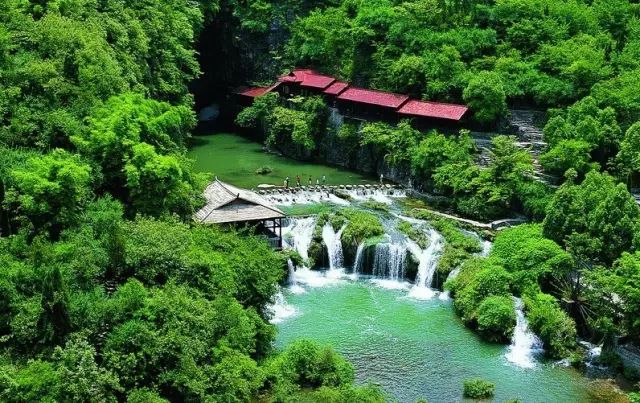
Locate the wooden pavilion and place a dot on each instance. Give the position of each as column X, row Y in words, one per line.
column 229, row 205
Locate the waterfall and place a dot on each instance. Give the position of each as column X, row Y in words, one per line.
column 428, row 262
column 385, row 196
column 281, row 309
column 389, row 261
column 524, row 344
column 358, row 262
column 446, row 295
column 335, row 118
column 301, row 231
column 334, row 245
column 310, row 196
column 292, row 273
column 293, row 279
column 486, row 248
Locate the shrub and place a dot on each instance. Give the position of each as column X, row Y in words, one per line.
column 555, row 328
column 265, row 170
column 496, row 318
column 482, row 280
column 362, row 225
column 533, row 259
column 415, row 234
column 306, row 364
column 375, row 205
column 478, row 389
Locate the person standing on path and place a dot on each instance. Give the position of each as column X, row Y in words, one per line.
column 309, row 180
column 286, row 183
column 381, row 179
column 324, row 180
column 298, row 180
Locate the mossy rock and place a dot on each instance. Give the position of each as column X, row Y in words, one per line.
column 368, row 256
column 343, row 195
column 411, row 271
column 362, row 225
column 318, row 255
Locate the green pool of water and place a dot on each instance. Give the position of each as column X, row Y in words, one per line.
column 234, row 159
column 417, row 349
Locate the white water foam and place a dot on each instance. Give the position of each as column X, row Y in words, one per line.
column 358, row 262
column 446, row 295
column 428, row 263
column 299, row 234
column 390, row 284
column 333, row 242
column 281, row 310
column 486, row 248
column 524, row 344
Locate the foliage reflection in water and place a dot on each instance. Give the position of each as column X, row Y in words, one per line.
column 235, row 159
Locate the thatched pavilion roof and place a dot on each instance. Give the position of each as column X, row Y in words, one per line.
column 227, row 203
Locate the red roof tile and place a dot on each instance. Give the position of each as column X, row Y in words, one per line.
column 308, row 78
column 253, row 92
column 381, row 98
column 317, row 81
column 433, row 110
column 336, row 88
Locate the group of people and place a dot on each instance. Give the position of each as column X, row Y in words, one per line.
column 298, row 182
column 324, row 181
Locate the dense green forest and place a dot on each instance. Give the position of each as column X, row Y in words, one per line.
column 109, row 292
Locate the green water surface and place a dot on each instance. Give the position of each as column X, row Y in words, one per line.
column 234, row 159
column 418, row 349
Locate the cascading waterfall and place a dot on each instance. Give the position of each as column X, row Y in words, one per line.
column 301, row 231
column 428, row 262
column 334, row 245
column 305, row 197
column 389, row 261
column 379, row 195
column 524, row 344
column 335, row 118
column 358, row 261
column 292, row 274
column 486, row 248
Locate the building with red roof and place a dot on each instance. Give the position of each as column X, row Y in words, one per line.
column 358, row 102
column 336, row 88
column 437, row 110
column 373, row 97
column 307, row 78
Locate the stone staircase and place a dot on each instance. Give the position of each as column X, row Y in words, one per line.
column 526, row 124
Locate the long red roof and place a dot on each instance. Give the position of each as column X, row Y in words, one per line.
column 401, row 103
column 372, row 97
column 433, row 110
column 309, row 78
column 336, row 88
column 317, row 81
